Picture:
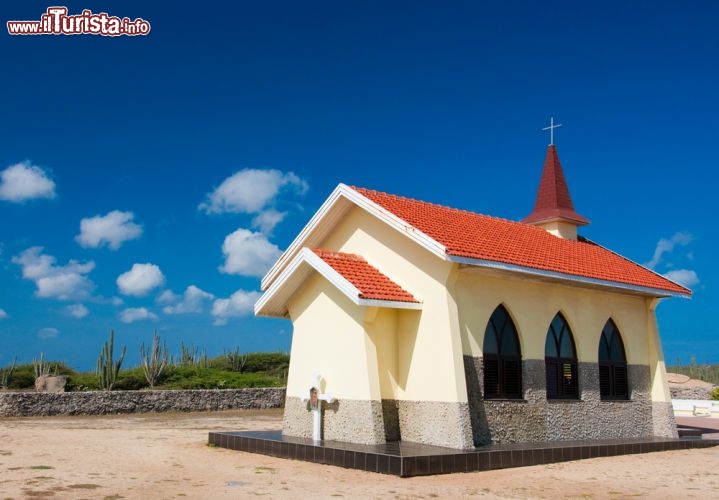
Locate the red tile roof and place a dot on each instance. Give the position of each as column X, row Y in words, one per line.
column 553, row 199
column 476, row 236
column 371, row 283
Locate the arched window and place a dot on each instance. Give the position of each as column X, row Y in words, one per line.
column 613, row 382
column 560, row 361
column 502, row 359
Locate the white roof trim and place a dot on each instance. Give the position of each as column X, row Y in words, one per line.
column 390, row 304
column 654, row 292
column 307, row 258
column 333, row 202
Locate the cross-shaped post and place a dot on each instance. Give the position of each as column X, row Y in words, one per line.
column 314, row 404
column 551, row 128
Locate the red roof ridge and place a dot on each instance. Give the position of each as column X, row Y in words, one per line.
column 525, row 226
column 363, row 190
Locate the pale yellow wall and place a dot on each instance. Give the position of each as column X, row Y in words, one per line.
column 329, row 337
column 381, row 327
column 660, row 387
column 534, row 304
column 561, row 229
column 429, row 351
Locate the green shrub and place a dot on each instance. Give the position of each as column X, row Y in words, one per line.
column 715, row 394
column 23, row 377
column 194, row 377
column 275, row 363
column 262, row 369
column 83, row 382
column 269, row 362
column 131, row 380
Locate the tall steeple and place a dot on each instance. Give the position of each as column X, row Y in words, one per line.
column 553, row 209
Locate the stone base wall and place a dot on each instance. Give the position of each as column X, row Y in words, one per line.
column 663, row 420
column 32, row 404
column 534, row 418
column 437, row 423
column 377, row 422
column 352, row 421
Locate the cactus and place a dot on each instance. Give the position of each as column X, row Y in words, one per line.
column 236, row 360
column 6, row 375
column 42, row 369
column 203, row 361
column 189, row 355
column 154, row 360
column 107, row 368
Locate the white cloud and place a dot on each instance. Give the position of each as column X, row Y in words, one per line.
column 685, row 277
column 139, row 280
column 240, row 303
column 60, row 282
column 251, row 190
column 3, row 314
column 77, row 311
column 168, row 297
column 266, row 220
column 112, row 230
column 248, row 253
column 24, row 181
column 192, row 301
column 667, row 246
column 65, row 286
column 132, row 314
column 113, row 301
column 48, row 333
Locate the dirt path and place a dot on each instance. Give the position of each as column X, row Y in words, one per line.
column 166, row 456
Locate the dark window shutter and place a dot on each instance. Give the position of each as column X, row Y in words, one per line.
column 512, row 371
column 491, row 377
column 620, row 381
column 605, row 389
column 502, row 358
column 552, row 368
column 560, row 360
column 613, row 378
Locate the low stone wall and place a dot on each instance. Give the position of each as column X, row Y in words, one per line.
column 689, row 392
column 31, row 404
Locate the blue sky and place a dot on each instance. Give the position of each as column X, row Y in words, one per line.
column 147, row 182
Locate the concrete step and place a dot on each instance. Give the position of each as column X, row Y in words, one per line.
column 689, row 432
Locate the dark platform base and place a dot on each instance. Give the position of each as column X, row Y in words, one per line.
column 412, row 459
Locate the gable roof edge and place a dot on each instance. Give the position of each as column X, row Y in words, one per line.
column 324, row 213
column 653, row 292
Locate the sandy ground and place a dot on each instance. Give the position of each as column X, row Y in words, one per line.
column 166, row 456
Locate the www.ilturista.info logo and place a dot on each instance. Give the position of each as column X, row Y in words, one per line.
column 56, row 22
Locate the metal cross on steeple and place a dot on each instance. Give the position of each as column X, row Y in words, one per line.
column 551, row 128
